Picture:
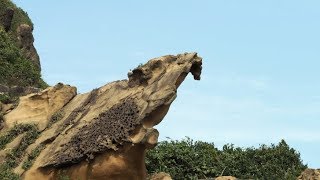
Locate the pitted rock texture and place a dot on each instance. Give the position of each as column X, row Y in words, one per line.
column 104, row 134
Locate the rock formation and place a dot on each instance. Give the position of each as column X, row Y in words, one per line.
column 103, row 134
column 310, row 174
column 15, row 20
column 25, row 41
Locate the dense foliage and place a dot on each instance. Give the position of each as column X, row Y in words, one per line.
column 187, row 159
column 14, row 68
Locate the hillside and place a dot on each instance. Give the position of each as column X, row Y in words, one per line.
column 19, row 61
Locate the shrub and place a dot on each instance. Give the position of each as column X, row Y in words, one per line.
column 187, row 159
column 13, row 158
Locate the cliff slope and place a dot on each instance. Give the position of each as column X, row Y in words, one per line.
column 19, row 60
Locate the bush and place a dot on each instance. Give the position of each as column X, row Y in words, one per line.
column 187, row 159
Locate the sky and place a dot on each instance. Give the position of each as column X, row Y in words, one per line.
column 260, row 79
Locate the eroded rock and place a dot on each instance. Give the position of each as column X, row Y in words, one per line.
column 25, row 40
column 102, row 134
column 37, row 108
column 310, row 174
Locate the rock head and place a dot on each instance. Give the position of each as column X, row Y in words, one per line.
column 105, row 133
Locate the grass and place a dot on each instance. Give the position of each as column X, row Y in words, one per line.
column 14, row 132
column 55, row 118
column 13, row 158
column 32, row 156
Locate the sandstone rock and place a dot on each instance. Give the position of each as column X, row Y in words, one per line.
column 160, row 176
column 102, row 134
column 310, row 174
column 25, row 39
column 6, row 19
column 39, row 107
column 226, row 178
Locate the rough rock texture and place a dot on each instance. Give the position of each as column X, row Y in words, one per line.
column 39, row 107
column 25, row 40
column 310, row 174
column 160, row 176
column 226, row 178
column 102, row 134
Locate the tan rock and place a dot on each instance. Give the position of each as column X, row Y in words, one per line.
column 310, row 174
column 160, row 176
column 37, row 108
column 225, row 178
column 103, row 134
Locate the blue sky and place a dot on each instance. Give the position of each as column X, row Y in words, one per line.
column 260, row 81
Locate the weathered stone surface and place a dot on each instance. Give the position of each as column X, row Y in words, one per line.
column 25, row 39
column 225, row 178
column 160, row 176
column 39, row 107
column 310, row 174
column 102, row 134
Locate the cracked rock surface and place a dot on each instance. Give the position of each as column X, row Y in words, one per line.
column 103, row 134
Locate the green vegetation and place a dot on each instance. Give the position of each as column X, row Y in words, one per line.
column 7, row 99
column 6, row 173
column 14, row 68
column 13, row 158
column 32, row 156
column 187, row 159
column 14, row 132
column 20, row 17
column 54, row 118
